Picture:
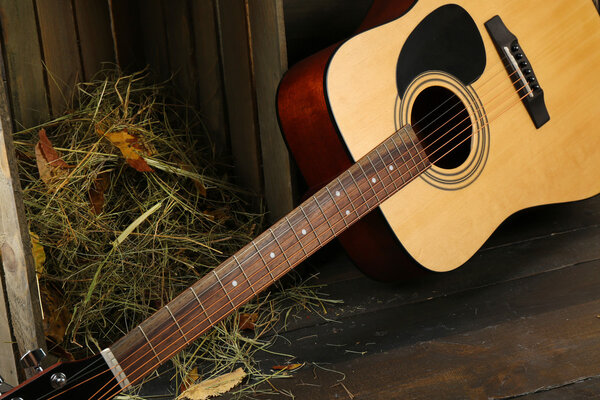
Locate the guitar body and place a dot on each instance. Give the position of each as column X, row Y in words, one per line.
column 341, row 103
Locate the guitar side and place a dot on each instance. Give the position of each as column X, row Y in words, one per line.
column 442, row 226
column 313, row 139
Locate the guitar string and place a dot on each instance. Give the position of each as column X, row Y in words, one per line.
column 386, row 195
column 210, row 305
column 420, row 121
column 272, row 242
column 313, row 240
column 286, row 270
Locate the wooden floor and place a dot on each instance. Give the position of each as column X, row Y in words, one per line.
column 520, row 320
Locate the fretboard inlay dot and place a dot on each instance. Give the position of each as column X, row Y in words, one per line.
column 272, row 255
column 391, row 167
column 373, row 180
column 337, row 193
column 234, row 283
column 304, row 231
column 347, row 212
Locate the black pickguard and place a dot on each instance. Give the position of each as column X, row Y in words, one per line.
column 446, row 40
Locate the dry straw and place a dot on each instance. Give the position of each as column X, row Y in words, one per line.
column 110, row 266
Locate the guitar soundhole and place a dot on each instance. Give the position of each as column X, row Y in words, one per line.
column 442, row 123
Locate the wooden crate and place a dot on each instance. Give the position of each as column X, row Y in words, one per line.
column 225, row 58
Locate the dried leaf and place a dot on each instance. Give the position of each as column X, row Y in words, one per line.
column 56, row 317
column 247, row 321
column 287, row 367
column 97, row 190
column 214, row 387
column 132, row 148
column 190, row 378
column 50, row 166
column 39, row 255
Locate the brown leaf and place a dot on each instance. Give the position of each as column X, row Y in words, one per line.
column 287, row 367
column 190, row 378
column 247, row 321
column 132, row 148
column 214, row 387
column 50, row 166
column 56, row 317
column 97, row 190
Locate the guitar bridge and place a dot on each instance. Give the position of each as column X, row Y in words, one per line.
column 521, row 72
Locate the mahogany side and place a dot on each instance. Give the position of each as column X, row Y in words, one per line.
column 321, row 155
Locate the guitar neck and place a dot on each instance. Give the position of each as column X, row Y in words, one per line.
column 319, row 219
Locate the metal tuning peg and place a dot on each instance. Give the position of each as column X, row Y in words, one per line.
column 4, row 387
column 33, row 359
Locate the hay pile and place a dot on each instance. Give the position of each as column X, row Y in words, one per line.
column 126, row 202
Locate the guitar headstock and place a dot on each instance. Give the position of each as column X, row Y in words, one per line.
column 90, row 378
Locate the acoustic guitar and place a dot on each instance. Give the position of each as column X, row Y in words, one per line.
column 434, row 123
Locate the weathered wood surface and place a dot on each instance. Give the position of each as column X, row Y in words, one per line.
column 95, row 37
column 520, row 317
column 17, row 259
column 211, row 101
column 8, row 366
column 23, row 63
column 61, row 51
column 269, row 57
column 239, row 93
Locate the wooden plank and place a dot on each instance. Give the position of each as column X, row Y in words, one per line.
column 126, row 32
column 17, row 259
column 61, row 52
column 494, row 342
column 240, row 94
column 154, row 39
column 23, row 59
column 8, row 365
column 181, row 49
column 269, row 57
column 95, row 38
column 211, row 101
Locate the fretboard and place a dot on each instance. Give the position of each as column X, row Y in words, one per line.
column 319, row 219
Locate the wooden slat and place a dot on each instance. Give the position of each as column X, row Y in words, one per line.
column 269, row 56
column 126, row 32
column 61, row 52
column 211, row 102
column 95, row 38
column 17, row 259
column 239, row 93
column 23, row 63
column 180, row 38
column 154, row 39
column 8, row 365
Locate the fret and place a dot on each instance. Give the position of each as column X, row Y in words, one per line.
column 402, row 156
column 377, row 173
column 409, row 153
column 389, row 172
column 371, row 182
column 280, row 248
column 359, row 191
column 324, row 215
column 263, row 260
column 348, row 197
column 310, row 224
column 336, row 206
column 414, row 146
column 395, row 164
column 295, row 234
column 201, row 305
column 177, row 323
column 223, row 287
column 244, row 273
column 151, row 347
